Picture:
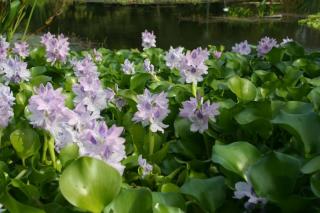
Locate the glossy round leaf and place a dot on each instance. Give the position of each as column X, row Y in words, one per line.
column 274, row 176
column 243, row 88
column 131, row 200
column 90, row 184
column 209, row 193
column 236, row 157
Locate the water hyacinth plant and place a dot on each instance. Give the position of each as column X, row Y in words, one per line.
column 202, row 130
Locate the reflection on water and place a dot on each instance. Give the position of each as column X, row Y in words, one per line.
column 121, row 26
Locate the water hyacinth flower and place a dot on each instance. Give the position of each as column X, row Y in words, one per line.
column 57, row 47
column 4, row 46
column 85, row 68
column 265, row 45
column 217, row 54
column 128, row 67
column 21, row 48
column 285, row 41
column 104, row 143
column 152, row 110
column 173, row 57
column 90, row 93
column 6, row 103
column 145, row 166
column 148, row 40
column 147, row 66
column 243, row 189
column 97, row 56
column 192, row 66
column 199, row 113
column 47, row 107
column 14, row 70
column 243, row 48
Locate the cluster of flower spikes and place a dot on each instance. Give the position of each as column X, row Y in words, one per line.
column 96, row 138
column 83, row 125
column 12, row 67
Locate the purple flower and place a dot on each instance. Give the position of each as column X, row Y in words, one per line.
column 148, row 67
column 217, row 54
column 285, row 41
column 119, row 102
column 4, row 45
column 104, row 143
column 85, row 68
column 199, row 113
column 128, row 67
column 148, row 40
column 97, row 56
column 145, row 166
column 173, row 57
column 6, row 103
column 47, row 107
column 243, row 48
column 243, row 189
column 192, row 66
column 21, row 49
column 265, row 45
column 152, row 110
column 90, row 93
column 57, row 47
column 14, row 70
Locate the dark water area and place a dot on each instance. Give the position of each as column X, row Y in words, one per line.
column 190, row 26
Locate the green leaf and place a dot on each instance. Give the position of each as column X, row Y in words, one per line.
column 311, row 166
column 26, row 142
column 15, row 206
column 314, row 97
column 138, row 81
column 132, row 200
column 40, row 79
column 160, row 208
column 274, row 176
column 315, row 184
column 236, row 157
column 68, row 154
column 210, row 193
column 90, row 184
column 301, row 121
column 243, row 88
column 169, row 199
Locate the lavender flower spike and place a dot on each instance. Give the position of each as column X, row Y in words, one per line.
column 14, row 70
column 265, row 45
column 21, row 49
column 152, row 110
column 148, row 67
column 104, row 143
column 57, row 48
column 4, row 45
column 173, row 57
column 6, row 103
column 145, row 166
column 192, row 66
column 148, row 40
column 47, row 107
column 199, row 113
column 128, row 67
column 243, row 189
column 285, row 41
column 243, row 48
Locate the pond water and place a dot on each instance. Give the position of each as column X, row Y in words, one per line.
column 116, row 26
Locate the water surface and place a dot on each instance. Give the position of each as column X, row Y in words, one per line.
column 116, row 26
